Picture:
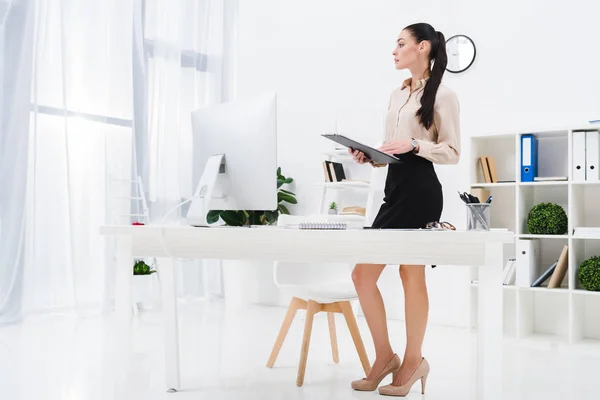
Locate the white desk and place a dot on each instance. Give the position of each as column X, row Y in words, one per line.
column 444, row 248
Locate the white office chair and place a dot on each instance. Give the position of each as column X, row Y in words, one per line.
column 326, row 287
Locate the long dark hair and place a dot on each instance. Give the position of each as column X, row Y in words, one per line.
column 420, row 32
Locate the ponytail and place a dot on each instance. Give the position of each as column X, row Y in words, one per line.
column 438, row 56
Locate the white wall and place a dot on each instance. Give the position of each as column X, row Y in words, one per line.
column 536, row 66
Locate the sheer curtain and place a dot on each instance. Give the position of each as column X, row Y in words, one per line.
column 184, row 51
column 81, row 132
column 93, row 94
column 16, row 23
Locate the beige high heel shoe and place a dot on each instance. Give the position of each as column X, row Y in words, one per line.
column 369, row 385
column 420, row 373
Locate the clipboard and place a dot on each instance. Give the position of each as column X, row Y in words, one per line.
column 377, row 156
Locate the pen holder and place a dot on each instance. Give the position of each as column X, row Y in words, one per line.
column 478, row 217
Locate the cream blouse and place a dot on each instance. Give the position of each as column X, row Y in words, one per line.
column 441, row 143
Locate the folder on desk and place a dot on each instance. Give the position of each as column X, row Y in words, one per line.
column 579, row 167
column 529, row 157
column 592, row 148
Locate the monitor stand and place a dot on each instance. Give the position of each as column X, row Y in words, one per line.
column 196, row 215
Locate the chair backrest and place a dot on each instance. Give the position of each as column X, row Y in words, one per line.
column 302, row 273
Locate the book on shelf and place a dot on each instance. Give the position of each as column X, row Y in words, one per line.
column 481, row 193
column 485, row 169
column 545, row 275
column 510, row 272
column 353, row 210
column 555, row 272
column 561, row 269
column 488, row 169
column 334, row 171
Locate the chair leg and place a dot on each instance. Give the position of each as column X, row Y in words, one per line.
column 355, row 333
column 332, row 335
column 311, row 310
column 295, row 305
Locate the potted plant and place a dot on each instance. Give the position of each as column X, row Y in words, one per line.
column 588, row 274
column 245, row 281
column 333, row 208
column 266, row 217
column 547, row 219
column 143, row 284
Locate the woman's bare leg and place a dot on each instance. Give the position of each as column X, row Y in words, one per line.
column 416, row 309
column 365, row 278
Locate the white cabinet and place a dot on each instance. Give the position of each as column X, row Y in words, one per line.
column 539, row 315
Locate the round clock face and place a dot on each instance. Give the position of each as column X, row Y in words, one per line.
column 461, row 53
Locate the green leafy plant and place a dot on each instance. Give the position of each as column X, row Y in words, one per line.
column 333, row 206
column 589, row 274
column 266, row 217
column 141, row 268
column 547, row 219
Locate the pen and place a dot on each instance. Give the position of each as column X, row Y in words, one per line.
column 489, row 200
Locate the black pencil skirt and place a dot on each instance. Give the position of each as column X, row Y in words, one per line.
column 412, row 195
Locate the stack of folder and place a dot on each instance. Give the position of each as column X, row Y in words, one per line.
column 586, row 156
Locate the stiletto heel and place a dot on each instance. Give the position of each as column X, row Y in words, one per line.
column 370, row 385
column 421, row 372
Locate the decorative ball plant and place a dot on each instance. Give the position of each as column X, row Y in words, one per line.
column 589, row 274
column 547, row 219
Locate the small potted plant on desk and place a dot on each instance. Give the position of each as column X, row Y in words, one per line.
column 333, row 208
column 143, row 278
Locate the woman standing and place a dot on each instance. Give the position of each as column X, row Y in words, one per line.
column 422, row 128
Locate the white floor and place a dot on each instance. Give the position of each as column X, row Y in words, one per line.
column 224, row 355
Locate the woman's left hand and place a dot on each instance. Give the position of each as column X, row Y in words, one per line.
column 398, row 146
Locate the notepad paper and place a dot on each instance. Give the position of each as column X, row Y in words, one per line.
column 318, row 225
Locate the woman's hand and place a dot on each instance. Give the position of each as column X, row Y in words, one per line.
column 399, row 146
column 359, row 156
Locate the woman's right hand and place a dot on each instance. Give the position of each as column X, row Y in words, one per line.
column 358, row 156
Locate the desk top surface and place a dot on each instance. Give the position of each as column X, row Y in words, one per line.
column 280, row 233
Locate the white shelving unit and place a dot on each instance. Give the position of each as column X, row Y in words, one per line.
column 347, row 193
column 569, row 315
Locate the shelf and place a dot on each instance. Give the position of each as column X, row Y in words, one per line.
column 580, row 237
column 531, row 236
column 347, row 185
column 492, row 185
column 560, row 290
column 544, row 183
column 583, row 292
column 541, row 341
column 344, row 217
column 505, row 287
column 586, row 347
column 547, row 131
column 585, row 183
column 343, row 153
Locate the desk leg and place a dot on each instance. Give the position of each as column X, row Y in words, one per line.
column 169, row 310
column 124, row 276
column 490, row 324
column 121, row 334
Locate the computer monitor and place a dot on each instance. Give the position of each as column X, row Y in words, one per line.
column 234, row 157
